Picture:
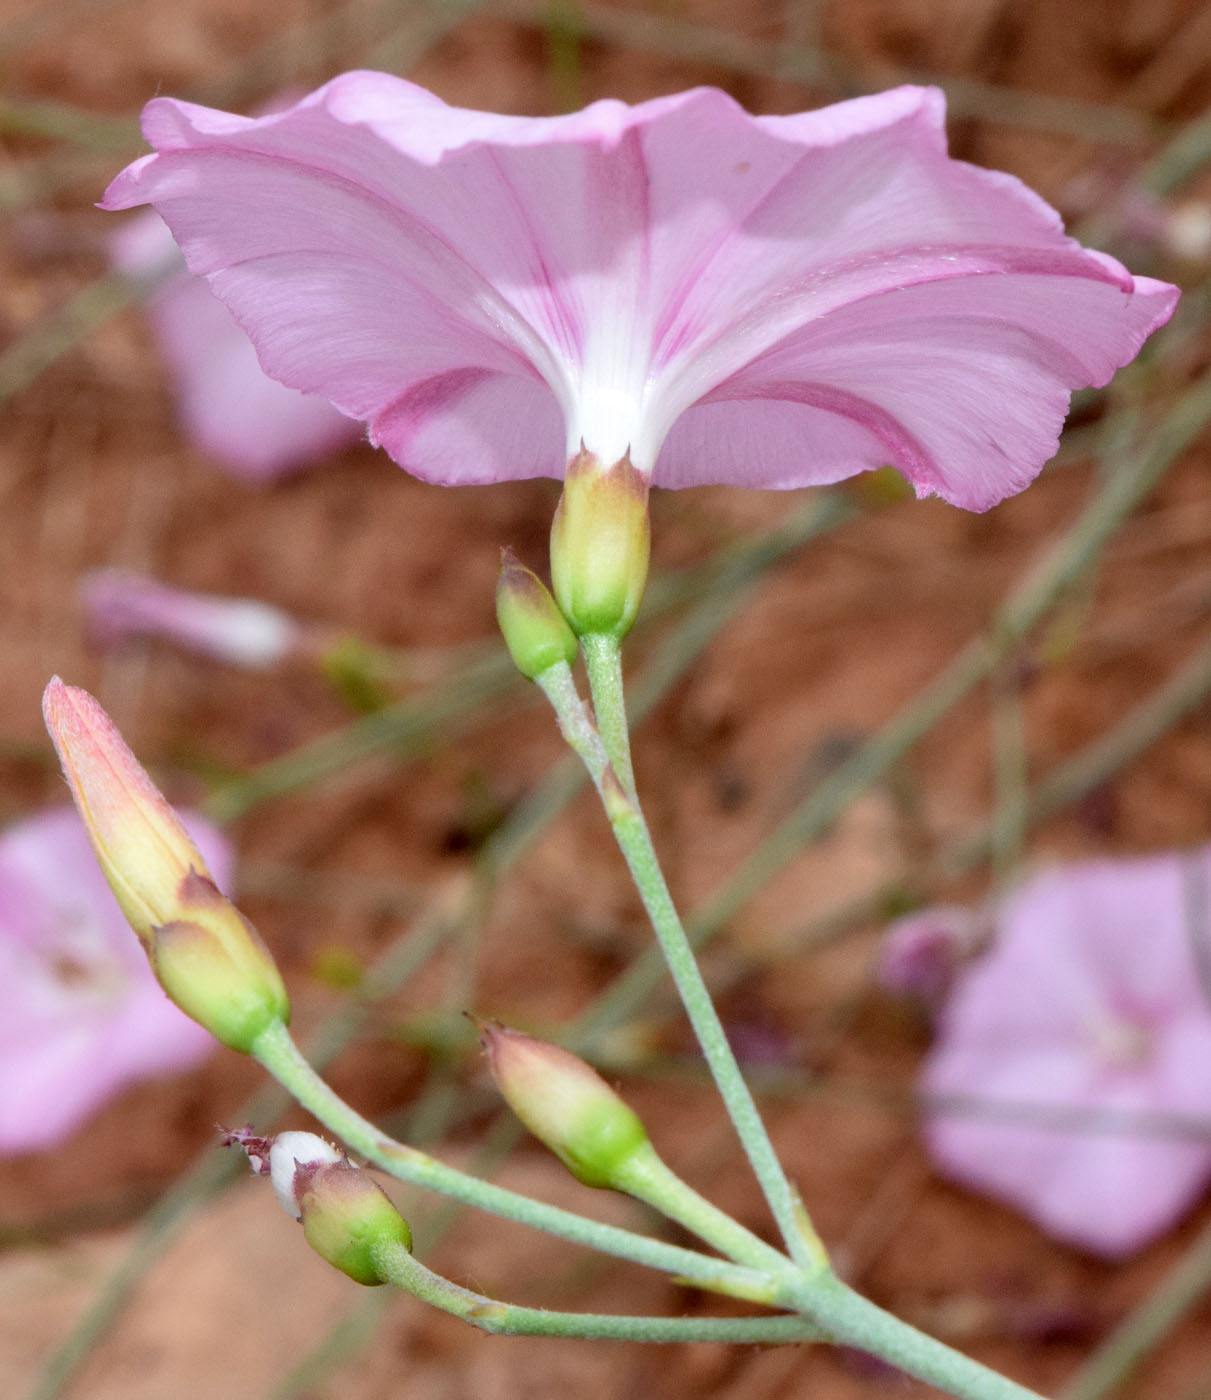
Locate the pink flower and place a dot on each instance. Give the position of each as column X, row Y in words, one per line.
column 233, row 412
column 1093, row 999
column 83, row 1016
column 922, row 952
column 770, row 301
column 119, row 605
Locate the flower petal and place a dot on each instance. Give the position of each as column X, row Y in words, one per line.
column 254, row 426
column 816, row 294
column 961, row 380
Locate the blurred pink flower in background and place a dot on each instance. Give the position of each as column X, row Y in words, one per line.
column 1093, row 999
column 921, row 953
column 83, row 1015
column 119, row 605
column 772, row 301
column 228, row 406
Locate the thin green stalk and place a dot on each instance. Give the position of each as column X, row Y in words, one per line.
column 650, row 1180
column 62, row 329
column 508, row 1319
column 851, row 1320
column 399, row 726
column 1131, row 478
column 1010, row 772
column 212, row 1171
column 1150, row 1323
column 722, row 585
column 603, row 666
column 634, row 840
column 828, row 1307
column 1186, row 689
column 654, row 31
column 280, row 1056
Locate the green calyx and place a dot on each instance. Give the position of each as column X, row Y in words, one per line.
column 566, row 1104
column 347, row 1218
column 600, row 545
column 213, row 964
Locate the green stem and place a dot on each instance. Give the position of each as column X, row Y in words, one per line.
column 507, row 1319
column 646, row 1177
column 603, row 665
column 851, row 1320
column 634, row 840
column 280, row 1056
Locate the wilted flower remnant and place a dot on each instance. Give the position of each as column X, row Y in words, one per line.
column 1093, row 1002
column 230, row 408
column 83, row 1015
column 676, row 289
column 119, row 605
column 346, row 1216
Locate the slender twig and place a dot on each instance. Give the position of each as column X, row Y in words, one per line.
column 1091, row 766
column 1160, row 1312
column 511, row 1320
column 656, row 32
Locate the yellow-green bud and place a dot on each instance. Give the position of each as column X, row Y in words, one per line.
column 206, row 955
column 213, row 964
column 346, row 1215
column 535, row 631
column 600, row 543
column 566, row 1104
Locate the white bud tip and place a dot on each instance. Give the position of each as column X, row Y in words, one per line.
column 289, row 1151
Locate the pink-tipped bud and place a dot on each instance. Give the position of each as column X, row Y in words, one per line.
column 567, row 1105
column 600, row 544
column 205, row 954
column 347, row 1217
column 535, row 631
column 141, row 846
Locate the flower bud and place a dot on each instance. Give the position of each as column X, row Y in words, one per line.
column 535, row 631
column 600, row 542
column 141, row 846
column 205, row 954
column 345, row 1214
column 565, row 1104
column 213, row 964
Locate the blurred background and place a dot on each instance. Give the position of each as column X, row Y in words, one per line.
column 853, row 705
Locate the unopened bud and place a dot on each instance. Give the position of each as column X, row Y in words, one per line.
column 535, row 631
column 213, row 964
column 600, row 543
column 206, row 955
column 566, row 1104
column 346, row 1215
column 140, row 844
